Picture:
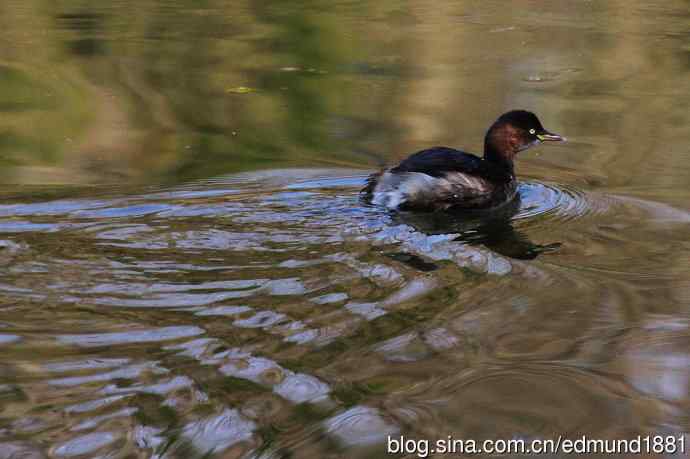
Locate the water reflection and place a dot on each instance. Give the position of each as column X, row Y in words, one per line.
column 184, row 273
column 494, row 229
column 208, row 324
column 192, row 90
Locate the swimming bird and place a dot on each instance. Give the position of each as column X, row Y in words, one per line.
column 442, row 178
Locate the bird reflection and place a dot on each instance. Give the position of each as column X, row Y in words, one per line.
column 493, row 229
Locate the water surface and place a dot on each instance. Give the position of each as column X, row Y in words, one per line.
column 187, row 269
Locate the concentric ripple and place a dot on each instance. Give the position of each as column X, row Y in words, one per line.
column 274, row 312
column 555, row 203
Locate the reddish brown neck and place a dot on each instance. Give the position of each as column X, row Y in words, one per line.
column 502, row 143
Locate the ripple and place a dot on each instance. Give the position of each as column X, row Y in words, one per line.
column 217, row 433
column 260, row 319
column 369, row 311
column 656, row 360
column 295, row 387
column 172, row 300
column 281, row 290
column 141, row 289
column 359, row 426
column 330, row 298
column 95, row 421
column 20, row 450
column 356, row 181
column 440, row 339
column 172, row 385
column 94, row 405
column 555, row 202
column 535, row 401
column 256, row 369
column 223, row 311
column 88, row 364
column 19, row 226
column 85, row 444
column 128, row 372
column 49, row 208
column 404, row 348
column 442, row 247
column 190, row 194
column 120, row 212
column 132, row 336
column 300, row 388
column 534, row 345
column 147, row 437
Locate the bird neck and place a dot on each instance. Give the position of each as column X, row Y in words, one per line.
column 499, row 151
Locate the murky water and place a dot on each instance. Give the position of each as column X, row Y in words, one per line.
column 187, row 269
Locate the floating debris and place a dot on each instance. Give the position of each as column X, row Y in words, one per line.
column 240, row 90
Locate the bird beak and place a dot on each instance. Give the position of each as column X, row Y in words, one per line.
column 547, row 136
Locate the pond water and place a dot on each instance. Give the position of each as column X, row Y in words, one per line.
column 187, row 270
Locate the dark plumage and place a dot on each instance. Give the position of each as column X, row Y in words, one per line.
column 441, row 178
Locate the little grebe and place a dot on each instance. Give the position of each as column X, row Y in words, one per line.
column 442, row 178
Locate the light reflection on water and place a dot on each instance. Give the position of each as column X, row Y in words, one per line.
column 158, row 329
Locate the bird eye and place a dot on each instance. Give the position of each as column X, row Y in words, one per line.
column 532, row 131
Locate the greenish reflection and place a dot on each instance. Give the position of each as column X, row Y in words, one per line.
column 153, row 91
